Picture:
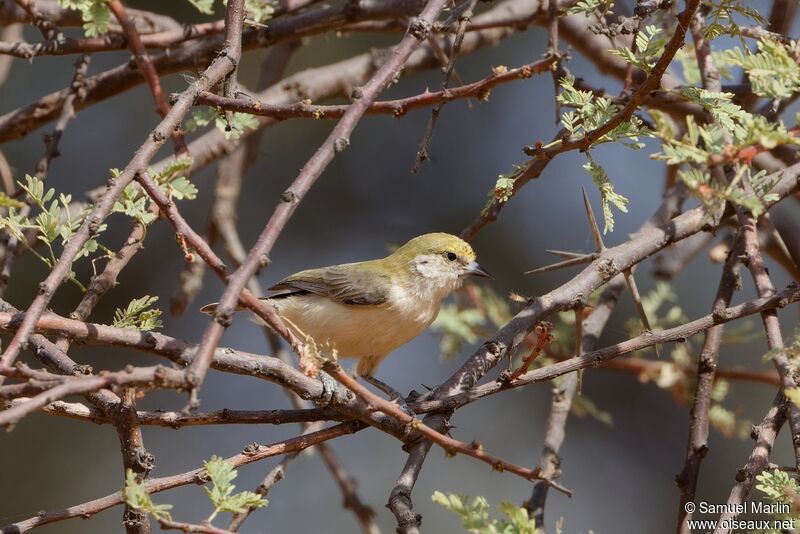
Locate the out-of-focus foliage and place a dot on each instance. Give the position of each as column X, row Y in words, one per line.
column 783, row 495
column 772, row 71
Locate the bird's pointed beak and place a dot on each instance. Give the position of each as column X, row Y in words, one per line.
column 475, row 269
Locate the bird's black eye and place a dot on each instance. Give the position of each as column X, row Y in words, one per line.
column 451, row 256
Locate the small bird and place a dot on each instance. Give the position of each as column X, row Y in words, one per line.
column 365, row 310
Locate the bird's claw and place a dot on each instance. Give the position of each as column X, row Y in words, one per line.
column 328, row 390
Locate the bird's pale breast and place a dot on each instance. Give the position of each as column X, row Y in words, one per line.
column 358, row 330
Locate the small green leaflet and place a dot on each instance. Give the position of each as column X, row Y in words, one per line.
column 137, row 315
column 221, row 493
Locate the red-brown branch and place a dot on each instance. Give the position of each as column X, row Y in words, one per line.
column 147, row 68
column 398, row 108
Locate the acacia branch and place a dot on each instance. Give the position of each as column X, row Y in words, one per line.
column 175, row 420
column 398, row 107
column 146, row 21
column 612, row 261
column 19, row 123
column 158, row 376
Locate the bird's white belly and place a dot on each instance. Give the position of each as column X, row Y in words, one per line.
column 355, row 331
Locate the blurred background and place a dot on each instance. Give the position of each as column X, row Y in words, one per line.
column 622, row 474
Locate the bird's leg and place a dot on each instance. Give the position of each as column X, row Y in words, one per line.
column 328, row 389
column 392, row 393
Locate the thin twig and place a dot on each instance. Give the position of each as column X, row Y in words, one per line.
column 424, row 145
column 398, row 107
column 174, row 420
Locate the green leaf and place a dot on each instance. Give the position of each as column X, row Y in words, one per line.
column 138, row 315
column 136, row 496
column 221, row 474
column 721, row 17
column 173, row 169
column 181, row 188
column 133, row 203
column 96, row 18
column 200, row 118
column 778, row 486
column 503, row 188
column 35, row 189
column 793, row 394
column 240, row 123
column 95, row 14
column 729, row 115
column 583, row 406
column 607, row 194
column 772, row 71
column 650, row 43
column 593, row 111
column 469, row 320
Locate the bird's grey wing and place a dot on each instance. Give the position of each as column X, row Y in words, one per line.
column 353, row 284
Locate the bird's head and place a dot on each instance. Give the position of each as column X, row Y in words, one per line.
column 439, row 260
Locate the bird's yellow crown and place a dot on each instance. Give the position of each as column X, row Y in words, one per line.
column 437, row 243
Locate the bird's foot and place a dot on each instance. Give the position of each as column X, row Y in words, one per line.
column 392, row 393
column 328, row 390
